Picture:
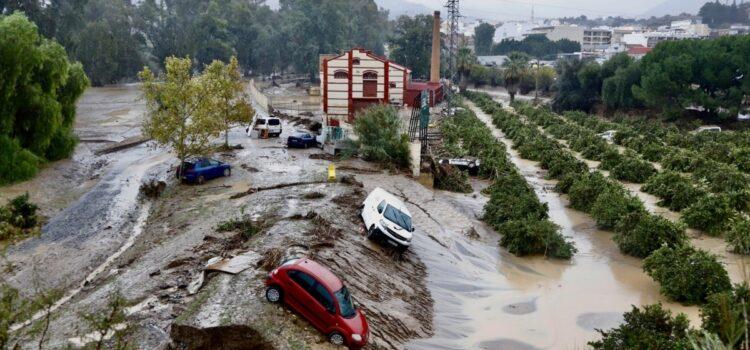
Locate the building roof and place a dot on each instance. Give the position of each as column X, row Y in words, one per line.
column 423, row 85
column 638, row 50
column 369, row 54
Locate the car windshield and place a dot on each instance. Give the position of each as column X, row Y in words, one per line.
column 397, row 217
column 345, row 303
column 188, row 165
column 274, row 122
column 260, row 122
column 300, row 135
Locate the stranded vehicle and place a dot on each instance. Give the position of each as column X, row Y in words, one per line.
column 301, row 140
column 201, row 169
column 270, row 125
column 387, row 219
column 317, row 294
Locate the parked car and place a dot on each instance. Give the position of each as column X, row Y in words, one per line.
column 707, row 128
column 314, row 292
column 301, row 140
column 201, row 169
column 608, row 135
column 387, row 219
column 271, row 125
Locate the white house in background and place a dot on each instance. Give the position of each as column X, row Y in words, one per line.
column 632, row 39
column 492, row 61
column 358, row 78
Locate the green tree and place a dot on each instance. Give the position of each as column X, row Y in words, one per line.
column 411, row 44
column 380, row 135
column 228, row 97
column 514, row 70
column 483, row 35
column 179, row 109
column 726, row 314
column 38, row 90
column 465, row 60
column 652, row 328
column 687, row 275
column 537, row 46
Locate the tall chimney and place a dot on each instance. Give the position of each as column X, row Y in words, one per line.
column 435, row 58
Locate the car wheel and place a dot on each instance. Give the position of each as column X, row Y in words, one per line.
column 273, row 294
column 201, row 180
column 336, row 338
column 227, row 172
column 372, row 233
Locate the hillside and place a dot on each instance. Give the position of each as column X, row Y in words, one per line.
column 675, row 7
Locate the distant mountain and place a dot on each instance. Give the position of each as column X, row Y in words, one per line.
column 676, row 7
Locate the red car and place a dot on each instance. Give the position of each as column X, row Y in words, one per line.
column 316, row 293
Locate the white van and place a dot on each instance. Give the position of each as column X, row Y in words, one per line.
column 273, row 125
column 387, row 219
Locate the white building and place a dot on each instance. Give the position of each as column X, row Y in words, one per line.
column 358, row 78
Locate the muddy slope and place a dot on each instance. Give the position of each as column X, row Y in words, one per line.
column 309, row 218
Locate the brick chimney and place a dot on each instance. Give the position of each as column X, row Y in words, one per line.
column 435, row 58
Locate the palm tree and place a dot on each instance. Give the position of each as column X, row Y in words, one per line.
column 465, row 59
column 514, row 69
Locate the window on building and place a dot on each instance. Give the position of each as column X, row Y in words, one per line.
column 340, row 74
column 393, row 85
column 370, row 75
column 355, row 61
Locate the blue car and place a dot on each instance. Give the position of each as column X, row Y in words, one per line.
column 198, row 170
column 301, row 140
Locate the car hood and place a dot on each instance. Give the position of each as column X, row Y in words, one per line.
column 358, row 323
column 396, row 228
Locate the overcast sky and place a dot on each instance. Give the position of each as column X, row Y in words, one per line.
column 514, row 9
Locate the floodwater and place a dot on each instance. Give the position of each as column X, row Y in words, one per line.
column 101, row 207
column 487, row 298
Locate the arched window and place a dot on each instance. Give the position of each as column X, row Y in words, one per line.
column 340, row 74
column 370, row 84
column 370, row 75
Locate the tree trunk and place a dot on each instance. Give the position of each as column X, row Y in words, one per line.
column 226, row 138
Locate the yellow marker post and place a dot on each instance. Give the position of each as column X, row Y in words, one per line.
column 331, row 173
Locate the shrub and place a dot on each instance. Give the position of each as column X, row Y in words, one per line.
column 559, row 163
column 710, row 214
column 675, row 190
column 452, row 179
column 652, row 328
column 18, row 218
column 586, row 189
column 723, row 314
column 612, row 205
column 380, row 138
column 632, row 169
column 16, row 163
column 610, row 159
column 687, row 275
column 738, row 236
column 639, row 234
column 680, row 160
column 531, row 237
column 511, row 198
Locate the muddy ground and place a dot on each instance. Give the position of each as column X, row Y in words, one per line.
column 111, row 239
column 454, row 288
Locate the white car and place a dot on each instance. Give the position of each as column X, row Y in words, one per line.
column 608, row 135
column 273, row 125
column 387, row 219
column 708, row 128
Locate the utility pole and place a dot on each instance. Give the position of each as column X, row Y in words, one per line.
column 453, row 16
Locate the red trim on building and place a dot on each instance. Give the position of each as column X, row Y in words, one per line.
column 387, row 82
column 403, row 90
column 325, row 85
column 351, row 75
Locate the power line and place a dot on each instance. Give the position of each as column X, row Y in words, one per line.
column 453, row 15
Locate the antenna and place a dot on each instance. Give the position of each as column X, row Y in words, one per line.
column 453, row 15
column 532, row 12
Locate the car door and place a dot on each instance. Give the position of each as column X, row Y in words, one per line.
column 216, row 170
column 304, row 292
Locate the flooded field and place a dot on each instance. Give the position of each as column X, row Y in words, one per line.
column 454, row 289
